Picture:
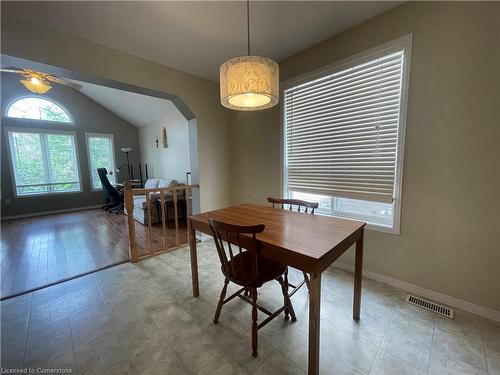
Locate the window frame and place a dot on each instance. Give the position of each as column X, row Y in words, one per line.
column 99, row 135
column 32, row 120
column 8, row 130
column 402, row 43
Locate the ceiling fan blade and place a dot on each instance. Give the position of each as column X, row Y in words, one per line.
column 64, row 82
column 11, row 71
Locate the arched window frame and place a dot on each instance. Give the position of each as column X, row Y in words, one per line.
column 18, row 98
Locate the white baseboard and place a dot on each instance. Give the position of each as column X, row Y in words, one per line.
column 12, row 217
column 485, row 312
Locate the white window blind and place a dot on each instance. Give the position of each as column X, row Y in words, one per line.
column 342, row 131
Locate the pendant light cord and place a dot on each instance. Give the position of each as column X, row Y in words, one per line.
column 248, row 26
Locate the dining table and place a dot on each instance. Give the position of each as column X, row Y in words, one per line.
column 307, row 242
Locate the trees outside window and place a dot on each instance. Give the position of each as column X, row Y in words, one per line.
column 43, row 162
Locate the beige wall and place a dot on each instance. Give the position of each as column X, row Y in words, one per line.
column 171, row 162
column 450, row 228
column 41, row 44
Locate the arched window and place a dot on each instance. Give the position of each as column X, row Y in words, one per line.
column 38, row 108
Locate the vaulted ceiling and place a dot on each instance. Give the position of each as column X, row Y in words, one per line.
column 196, row 37
column 137, row 109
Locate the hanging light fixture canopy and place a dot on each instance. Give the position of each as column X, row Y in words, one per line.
column 249, row 83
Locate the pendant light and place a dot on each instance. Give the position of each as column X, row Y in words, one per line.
column 249, row 83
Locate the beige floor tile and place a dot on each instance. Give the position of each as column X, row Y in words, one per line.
column 85, row 335
column 38, row 353
column 98, row 351
column 493, row 360
column 465, row 324
column 450, row 348
column 409, row 346
column 278, row 364
column 38, row 334
column 196, row 353
column 13, row 331
column 15, row 308
column 170, row 364
column 145, row 352
column 12, row 354
column 221, row 364
column 64, row 362
column 346, row 352
column 240, row 351
column 491, row 334
column 386, row 363
column 117, row 364
column 142, row 319
column 442, row 364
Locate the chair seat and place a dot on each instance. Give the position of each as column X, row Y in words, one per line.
column 243, row 273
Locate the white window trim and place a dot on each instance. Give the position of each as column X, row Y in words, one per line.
column 404, row 42
column 102, row 135
column 40, row 131
column 32, row 120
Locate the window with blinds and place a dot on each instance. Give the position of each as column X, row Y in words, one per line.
column 342, row 131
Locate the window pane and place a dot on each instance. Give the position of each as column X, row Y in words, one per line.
column 44, row 162
column 37, row 108
column 62, row 161
column 32, row 190
column 100, row 156
column 325, row 202
column 27, row 158
column 66, row 187
column 373, row 210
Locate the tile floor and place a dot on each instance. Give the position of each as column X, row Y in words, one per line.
column 141, row 319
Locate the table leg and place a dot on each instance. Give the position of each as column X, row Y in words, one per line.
column 194, row 259
column 358, row 276
column 314, row 319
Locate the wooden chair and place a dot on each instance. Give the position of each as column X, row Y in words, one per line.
column 308, row 207
column 242, row 264
column 294, row 202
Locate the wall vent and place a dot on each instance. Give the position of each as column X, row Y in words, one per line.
column 431, row 306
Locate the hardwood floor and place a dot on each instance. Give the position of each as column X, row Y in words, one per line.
column 42, row 250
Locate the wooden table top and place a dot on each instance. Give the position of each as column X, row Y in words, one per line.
column 311, row 238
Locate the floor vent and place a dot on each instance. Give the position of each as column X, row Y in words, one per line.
column 431, row 306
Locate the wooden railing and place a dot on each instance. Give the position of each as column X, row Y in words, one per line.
column 150, row 249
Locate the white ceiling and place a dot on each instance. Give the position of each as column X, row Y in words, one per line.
column 194, row 36
column 137, row 109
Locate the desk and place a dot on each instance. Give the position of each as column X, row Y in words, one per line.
column 307, row 242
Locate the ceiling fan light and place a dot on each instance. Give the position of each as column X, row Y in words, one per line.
column 36, row 85
column 249, row 83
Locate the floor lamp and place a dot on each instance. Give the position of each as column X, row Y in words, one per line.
column 126, row 150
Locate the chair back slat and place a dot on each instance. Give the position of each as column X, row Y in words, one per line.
column 237, row 235
column 294, row 202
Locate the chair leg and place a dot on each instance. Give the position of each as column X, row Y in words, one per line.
column 119, row 209
column 254, row 322
column 284, row 290
column 306, row 278
column 221, row 301
column 286, row 279
column 288, row 303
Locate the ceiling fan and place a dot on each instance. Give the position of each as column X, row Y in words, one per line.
column 39, row 82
